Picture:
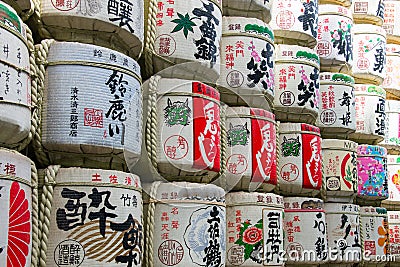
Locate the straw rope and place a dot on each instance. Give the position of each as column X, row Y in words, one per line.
column 223, row 140
column 278, row 156
column 35, row 217
column 150, row 37
column 151, row 123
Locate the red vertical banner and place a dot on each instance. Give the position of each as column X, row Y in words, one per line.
column 312, row 158
column 206, row 129
column 263, row 146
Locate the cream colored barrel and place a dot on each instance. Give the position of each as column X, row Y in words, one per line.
column 305, row 231
column 374, row 235
column 370, row 114
column 18, row 210
column 337, row 113
column 391, row 21
column 117, row 25
column 92, row 105
column 340, row 170
column 296, row 84
column 295, row 22
column 394, row 237
column 251, row 149
column 335, row 38
column 300, row 164
column 259, row 9
column 247, row 63
column 369, row 54
column 185, row 225
column 183, row 39
column 392, row 129
column 393, row 168
column 368, row 12
column 372, row 173
column 391, row 84
column 96, row 212
column 24, row 8
column 15, row 80
column 343, row 232
column 254, row 229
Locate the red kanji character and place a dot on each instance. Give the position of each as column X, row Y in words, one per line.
column 96, row 177
column 113, row 179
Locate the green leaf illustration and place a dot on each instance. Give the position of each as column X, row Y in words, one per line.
column 349, row 175
column 247, row 251
column 184, row 23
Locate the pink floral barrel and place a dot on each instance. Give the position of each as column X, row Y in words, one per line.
column 305, row 230
column 372, row 173
column 392, row 130
column 394, row 235
column 393, row 167
column 254, row 229
column 251, row 149
column 391, row 21
column 391, row 84
column 300, row 163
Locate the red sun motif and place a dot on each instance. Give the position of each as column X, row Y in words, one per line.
column 19, row 228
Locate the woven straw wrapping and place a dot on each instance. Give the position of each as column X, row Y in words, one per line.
column 337, row 113
column 247, row 50
column 91, row 192
column 17, row 100
column 344, row 3
column 391, row 84
column 19, row 204
column 368, row 12
column 117, row 25
column 259, row 9
column 335, row 38
column 91, row 120
column 296, row 84
column 392, row 129
column 341, row 218
column 393, row 168
column 391, row 20
column 300, row 164
column 183, row 39
column 369, row 54
column 24, row 8
column 176, row 217
column 370, row 114
column 340, row 170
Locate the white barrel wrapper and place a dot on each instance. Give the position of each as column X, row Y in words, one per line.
column 392, row 129
column 254, row 229
column 394, row 235
column 260, row 9
column 391, row 21
column 391, row 84
column 369, row 11
column 393, row 176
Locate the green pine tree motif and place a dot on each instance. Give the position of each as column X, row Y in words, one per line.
column 184, row 23
column 349, row 175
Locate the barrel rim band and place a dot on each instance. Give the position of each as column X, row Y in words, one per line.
column 246, row 34
column 95, row 184
column 304, row 210
column 300, row 132
column 183, row 201
column 185, row 94
column 15, row 103
column 337, row 83
column 266, row 205
column 297, row 62
column 339, row 148
column 16, row 179
column 336, row 13
column 248, row 116
column 15, row 67
column 15, row 33
column 342, row 212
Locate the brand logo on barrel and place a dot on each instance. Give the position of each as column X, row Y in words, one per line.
column 251, row 239
column 177, row 113
column 238, row 135
column 312, row 171
column 93, row 117
column 291, row 147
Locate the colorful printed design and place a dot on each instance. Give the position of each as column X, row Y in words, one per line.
column 383, row 231
column 312, row 161
column 238, row 135
column 309, row 18
column 342, row 40
column 205, row 236
column 19, row 228
column 396, row 180
column 177, row 113
column 8, row 17
column 309, row 88
column 348, row 171
column 380, row 55
column 291, row 146
column 251, row 238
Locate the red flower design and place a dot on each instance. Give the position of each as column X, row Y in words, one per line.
column 252, row 235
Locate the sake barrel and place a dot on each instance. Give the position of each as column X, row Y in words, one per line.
column 305, row 231
column 369, row 54
column 368, row 12
column 344, row 3
column 295, row 22
column 372, row 174
column 247, row 63
column 18, row 219
column 183, row 131
column 254, row 229
column 296, row 84
column 374, row 235
column 343, row 232
column 91, row 106
column 15, row 81
column 334, row 38
column 393, row 168
column 337, row 113
column 185, row 225
column 391, row 20
column 394, row 237
column 96, row 212
column 24, row 8
column 391, row 84
column 254, row 9
column 370, row 114
column 340, row 170
column 184, row 36
column 300, row 163
column 392, row 129
column 251, row 150
column 118, row 25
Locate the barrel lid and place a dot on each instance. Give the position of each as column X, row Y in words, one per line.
column 393, row 217
column 369, row 29
column 303, row 203
column 87, row 54
column 392, row 106
column 10, row 18
column 296, row 54
column 245, row 111
column 288, row 127
column 330, row 9
column 392, row 49
column 341, row 208
column 339, row 144
column 369, row 89
column 373, row 211
column 13, row 163
column 251, row 26
column 335, row 78
column 370, row 150
column 393, row 160
column 254, row 198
